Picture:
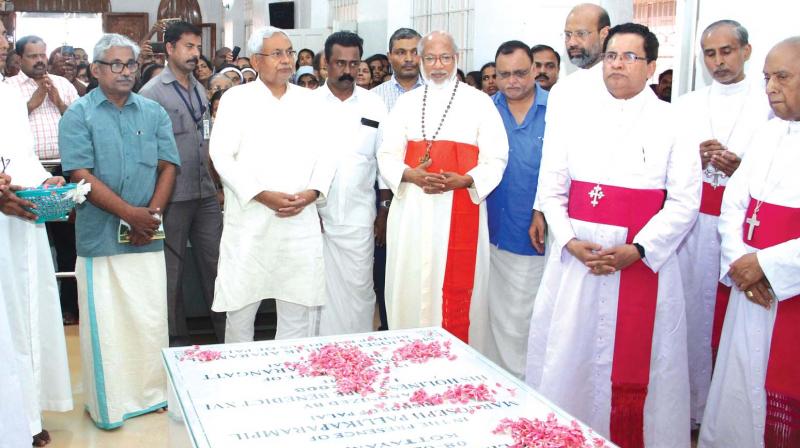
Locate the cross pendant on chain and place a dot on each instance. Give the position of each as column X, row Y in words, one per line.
column 427, row 155
column 752, row 223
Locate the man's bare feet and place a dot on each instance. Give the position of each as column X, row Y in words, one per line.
column 41, row 439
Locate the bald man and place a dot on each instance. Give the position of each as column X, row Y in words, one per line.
column 755, row 393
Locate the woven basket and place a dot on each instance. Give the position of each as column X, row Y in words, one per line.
column 51, row 203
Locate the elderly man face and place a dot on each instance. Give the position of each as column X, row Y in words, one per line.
column 723, row 54
column 275, row 62
column 439, row 58
column 782, row 73
column 583, row 36
column 116, row 71
column 625, row 78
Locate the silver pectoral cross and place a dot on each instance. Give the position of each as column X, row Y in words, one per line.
column 752, row 223
column 715, row 176
column 596, row 194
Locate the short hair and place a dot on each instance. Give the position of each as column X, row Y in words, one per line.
column 317, row 63
column 511, row 46
column 53, row 54
column 344, row 39
column 147, row 73
column 664, row 74
column 221, row 51
column 461, row 73
column 256, row 41
column 402, row 33
column 429, row 36
column 741, row 32
column 650, row 39
column 19, row 47
column 243, row 57
column 602, row 19
column 175, row 30
column 377, row 57
column 217, row 76
column 487, row 65
column 541, row 47
column 113, row 40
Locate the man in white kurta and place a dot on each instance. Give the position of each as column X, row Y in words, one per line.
column 349, row 215
column 438, row 239
column 619, row 197
column 28, row 281
column 754, row 396
column 271, row 243
column 719, row 121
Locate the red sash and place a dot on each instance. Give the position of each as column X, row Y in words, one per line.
column 782, row 427
column 720, row 308
column 462, row 247
column 636, row 309
column 711, row 199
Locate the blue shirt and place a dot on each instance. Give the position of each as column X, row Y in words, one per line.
column 122, row 147
column 510, row 205
column 391, row 90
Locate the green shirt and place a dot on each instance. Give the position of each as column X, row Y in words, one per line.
column 122, row 147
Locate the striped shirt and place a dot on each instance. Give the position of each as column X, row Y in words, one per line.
column 44, row 119
column 391, row 90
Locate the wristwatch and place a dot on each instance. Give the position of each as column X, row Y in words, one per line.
column 640, row 249
column 386, row 203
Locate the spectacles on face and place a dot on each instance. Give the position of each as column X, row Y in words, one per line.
column 445, row 59
column 118, row 67
column 280, row 54
column 580, row 34
column 627, row 57
column 519, row 74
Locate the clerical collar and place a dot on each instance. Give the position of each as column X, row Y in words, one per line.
column 794, row 127
column 634, row 103
column 736, row 88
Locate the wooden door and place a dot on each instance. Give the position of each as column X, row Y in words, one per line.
column 132, row 24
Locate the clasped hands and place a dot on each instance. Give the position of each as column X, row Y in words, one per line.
column 603, row 261
column 286, row 205
column 712, row 151
column 747, row 275
column 13, row 205
column 435, row 183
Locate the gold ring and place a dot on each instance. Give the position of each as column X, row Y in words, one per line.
column 749, row 294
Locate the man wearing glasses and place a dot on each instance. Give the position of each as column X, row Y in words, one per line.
column 271, row 244
column 444, row 150
column 608, row 331
column 122, row 144
column 517, row 257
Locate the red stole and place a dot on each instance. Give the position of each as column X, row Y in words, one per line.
column 782, row 427
column 462, row 246
column 710, row 204
column 636, row 309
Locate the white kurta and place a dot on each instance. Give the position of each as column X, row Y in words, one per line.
column 736, row 407
column 419, row 223
column 628, row 144
column 730, row 114
column 348, row 214
column 28, row 281
column 14, row 425
column 260, row 143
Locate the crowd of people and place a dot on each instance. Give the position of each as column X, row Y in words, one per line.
column 633, row 261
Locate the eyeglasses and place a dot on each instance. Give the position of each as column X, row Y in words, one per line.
column 627, row 57
column 279, row 54
column 580, row 34
column 118, row 67
column 445, row 59
column 519, row 74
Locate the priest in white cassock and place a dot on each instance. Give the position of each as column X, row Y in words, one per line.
column 444, row 150
column 719, row 122
column 608, row 332
column 754, row 399
column 271, row 243
column 30, row 293
column 348, row 216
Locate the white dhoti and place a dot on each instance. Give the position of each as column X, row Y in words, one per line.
column 294, row 322
column 34, row 317
column 513, row 283
column 123, row 304
column 15, row 430
column 350, row 304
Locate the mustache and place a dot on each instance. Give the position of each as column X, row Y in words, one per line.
column 39, row 64
column 192, row 60
column 346, row 77
column 543, row 76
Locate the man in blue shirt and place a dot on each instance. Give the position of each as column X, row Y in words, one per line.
column 516, row 231
column 122, row 144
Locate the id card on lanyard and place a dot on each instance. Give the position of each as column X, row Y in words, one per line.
column 199, row 120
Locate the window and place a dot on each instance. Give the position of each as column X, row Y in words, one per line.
column 343, row 13
column 659, row 16
column 455, row 16
column 81, row 30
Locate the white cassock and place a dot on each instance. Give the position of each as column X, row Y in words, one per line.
column 14, row 425
column 28, row 279
column 348, row 214
column 629, row 144
column 730, row 114
column 736, row 410
column 262, row 143
column 421, row 278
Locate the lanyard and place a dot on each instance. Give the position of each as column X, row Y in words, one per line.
column 188, row 103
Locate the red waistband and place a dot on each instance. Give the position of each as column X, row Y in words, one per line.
column 711, row 199
column 776, row 224
column 445, row 156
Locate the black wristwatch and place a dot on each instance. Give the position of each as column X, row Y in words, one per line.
column 640, row 249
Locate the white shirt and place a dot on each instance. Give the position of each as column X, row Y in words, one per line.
column 354, row 121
